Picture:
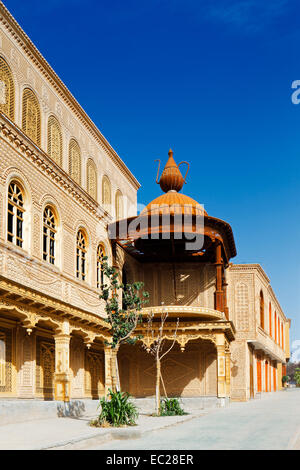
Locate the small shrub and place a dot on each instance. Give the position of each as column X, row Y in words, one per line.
column 171, row 407
column 117, row 410
column 285, row 379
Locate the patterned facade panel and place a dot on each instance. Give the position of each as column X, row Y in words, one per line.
column 189, row 374
column 94, row 374
column 45, row 367
column 6, row 361
column 242, row 307
column 180, row 285
column 77, row 351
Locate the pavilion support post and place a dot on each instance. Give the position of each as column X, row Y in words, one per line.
column 219, row 278
column 221, row 365
column 226, row 310
column 227, row 373
column 62, row 364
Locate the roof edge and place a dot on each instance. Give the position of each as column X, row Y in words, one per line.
column 15, row 29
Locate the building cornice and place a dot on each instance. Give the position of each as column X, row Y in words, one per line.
column 21, row 143
column 255, row 267
column 30, row 300
column 32, row 52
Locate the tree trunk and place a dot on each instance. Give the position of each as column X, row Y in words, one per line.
column 158, row 386
column 118, row 386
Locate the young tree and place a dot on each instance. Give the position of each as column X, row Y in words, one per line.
column 122, row 319
column 297, row 376
column 156, row 347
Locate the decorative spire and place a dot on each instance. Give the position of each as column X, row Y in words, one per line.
column 171, row 179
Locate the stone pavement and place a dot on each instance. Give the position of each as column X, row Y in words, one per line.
column 75, row 433
column 269, row 423
column 272, row 422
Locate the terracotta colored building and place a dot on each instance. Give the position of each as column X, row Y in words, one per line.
column 66, row 200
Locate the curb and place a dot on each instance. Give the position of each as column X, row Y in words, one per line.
column 111, row 434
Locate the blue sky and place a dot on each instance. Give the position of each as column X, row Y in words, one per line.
column 210, row 79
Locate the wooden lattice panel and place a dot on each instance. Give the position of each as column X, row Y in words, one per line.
column 94, row 374
column 7, row 90
column 106, row 192
column 91, row 179
column 54, row 140
column 119, row 205
column 31, row 116
column 75, row 161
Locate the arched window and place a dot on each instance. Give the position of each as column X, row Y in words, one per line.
column 81, row 252
column 75, row 161
column 106, row 193
column 282, row 341
column 100, row 274
column 278, row 329
column 91, row 175
column 49, row 234
column 54, row 140
column 275, row 326
column 31, row 116
column 270, row 318
column 119, row 205
column 262, row 310
column 15, row 214
column 7, row 90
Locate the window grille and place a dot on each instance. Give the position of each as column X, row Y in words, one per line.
column 81, row 256
column 15, row 214
column 49, row 234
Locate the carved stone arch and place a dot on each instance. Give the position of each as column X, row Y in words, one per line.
column 13, row 173
column 107, row 248
column 81, row 225
column 49, row 200
column 7, row 89
column 31, row 115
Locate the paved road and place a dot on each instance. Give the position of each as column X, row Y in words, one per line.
column 272, row 422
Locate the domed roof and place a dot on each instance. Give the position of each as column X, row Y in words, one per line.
column 173, row 203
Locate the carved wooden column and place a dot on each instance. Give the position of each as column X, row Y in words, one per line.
column 221, row 365
column 219, row 278
column 62, row 365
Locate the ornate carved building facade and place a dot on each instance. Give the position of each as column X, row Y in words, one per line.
column 62, row 188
